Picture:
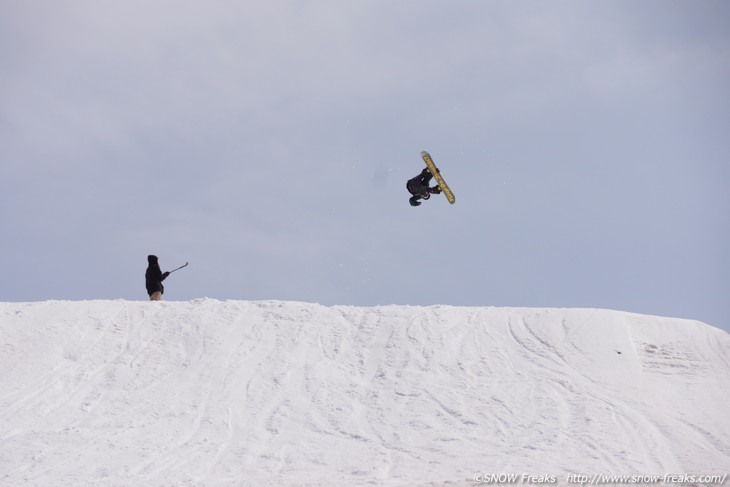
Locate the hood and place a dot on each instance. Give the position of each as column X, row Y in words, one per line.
column 152, row 259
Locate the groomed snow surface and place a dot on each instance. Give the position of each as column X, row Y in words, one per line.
column 239, row 393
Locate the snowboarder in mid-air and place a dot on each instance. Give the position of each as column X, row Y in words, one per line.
column 419, row 188
column 153, row 279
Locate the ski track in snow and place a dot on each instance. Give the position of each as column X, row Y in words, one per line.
column 238, row 393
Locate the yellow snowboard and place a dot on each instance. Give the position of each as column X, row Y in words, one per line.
column 439, row 179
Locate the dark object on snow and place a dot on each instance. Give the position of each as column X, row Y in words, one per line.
column 418, row 187
column 153, row 279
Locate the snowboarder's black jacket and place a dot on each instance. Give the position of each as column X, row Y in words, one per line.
column 154, row 276
column 418, row 186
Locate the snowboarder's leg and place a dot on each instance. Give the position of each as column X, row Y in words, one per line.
column 156, row 296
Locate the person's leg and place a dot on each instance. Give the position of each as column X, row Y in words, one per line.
column 156, row 296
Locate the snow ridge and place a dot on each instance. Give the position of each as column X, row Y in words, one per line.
column 239, row 393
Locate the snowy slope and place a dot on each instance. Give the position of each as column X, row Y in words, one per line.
column 237, row 393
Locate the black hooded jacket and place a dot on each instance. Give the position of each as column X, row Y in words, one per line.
column 418, row 186
column 154, row 276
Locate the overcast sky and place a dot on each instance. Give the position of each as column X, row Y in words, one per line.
column 268, row 143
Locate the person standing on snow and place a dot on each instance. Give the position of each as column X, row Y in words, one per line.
column 153, row 279
column 418, row 187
